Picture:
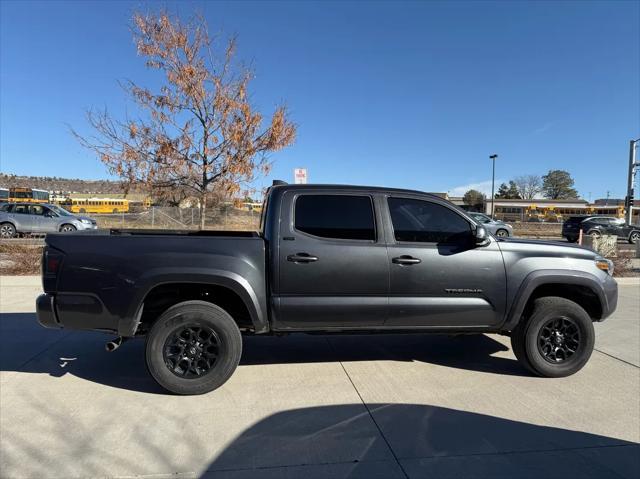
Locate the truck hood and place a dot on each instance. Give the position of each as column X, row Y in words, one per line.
column 545, row 248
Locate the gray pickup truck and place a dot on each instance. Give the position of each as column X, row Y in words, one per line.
column 327, row 259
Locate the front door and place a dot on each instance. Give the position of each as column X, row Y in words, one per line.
column 333, row 269
column 439, row 278
column 38, row 218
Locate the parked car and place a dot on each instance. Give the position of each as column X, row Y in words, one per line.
column 496, row 227
column 19, row 218
column 600, row 225
column 328, row 259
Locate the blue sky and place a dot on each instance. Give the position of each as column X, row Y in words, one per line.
column 414, row 94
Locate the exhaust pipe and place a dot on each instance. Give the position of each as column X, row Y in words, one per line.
column 115, row 344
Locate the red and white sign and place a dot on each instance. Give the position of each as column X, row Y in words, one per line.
column 300, row 176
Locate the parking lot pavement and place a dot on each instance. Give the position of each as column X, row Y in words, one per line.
column 317, row 406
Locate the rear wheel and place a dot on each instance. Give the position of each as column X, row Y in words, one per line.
column 634, row 237
column 556, row 340
column 7, row 230
column 67, row 228
column 193, row 348
column 572, row 239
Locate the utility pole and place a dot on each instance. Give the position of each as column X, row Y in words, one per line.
column 493, row 181
column 631, row 179
column 606, row 202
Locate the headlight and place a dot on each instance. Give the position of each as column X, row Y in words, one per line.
column 605, row 265
column 86, row 222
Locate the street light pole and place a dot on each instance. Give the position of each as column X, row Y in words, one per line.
column 631, row 179
column 493, row 181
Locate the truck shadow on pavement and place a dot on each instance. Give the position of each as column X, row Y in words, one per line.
column 412, row 440
column 334, row 441
column 58, row 352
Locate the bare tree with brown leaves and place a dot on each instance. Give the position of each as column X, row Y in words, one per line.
column 528, row 186
column 199, row 132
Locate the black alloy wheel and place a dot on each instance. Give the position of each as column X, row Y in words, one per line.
column 191, row 351
column 558, row 339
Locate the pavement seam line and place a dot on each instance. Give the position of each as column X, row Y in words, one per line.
column 259, row 468
column 528, row 451
column 393, row 453
column 617, row 359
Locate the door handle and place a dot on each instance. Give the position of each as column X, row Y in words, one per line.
column 302, row 258
column 405, row 259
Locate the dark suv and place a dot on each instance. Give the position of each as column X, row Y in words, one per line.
column 600, row 225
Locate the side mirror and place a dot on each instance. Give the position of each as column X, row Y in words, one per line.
column 481, row 236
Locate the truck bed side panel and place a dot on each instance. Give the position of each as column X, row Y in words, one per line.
column 105, row 278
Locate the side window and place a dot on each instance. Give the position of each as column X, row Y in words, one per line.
column 36, row 210
column 21, row 209
column 426, row 222
column 336, row 216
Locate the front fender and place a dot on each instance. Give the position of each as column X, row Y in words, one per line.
column 606, row 291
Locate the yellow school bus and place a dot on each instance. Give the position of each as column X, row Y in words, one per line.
column 28, row 195
column 97, row 205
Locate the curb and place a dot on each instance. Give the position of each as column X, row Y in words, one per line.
column 624, row 281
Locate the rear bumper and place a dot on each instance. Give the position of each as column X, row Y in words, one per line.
column 74, row 311
column 45, row 311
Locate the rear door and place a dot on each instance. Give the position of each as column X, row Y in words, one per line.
column 24, row 221
column 333, row 267
column 439, row 278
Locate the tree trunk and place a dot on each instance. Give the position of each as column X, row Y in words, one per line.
column 203, row 209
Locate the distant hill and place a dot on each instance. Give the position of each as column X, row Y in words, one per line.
column 53, row 183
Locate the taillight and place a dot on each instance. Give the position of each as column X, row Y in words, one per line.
column 52, row 262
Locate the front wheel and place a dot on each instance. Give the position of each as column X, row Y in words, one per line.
column 67, row 228
column 634, row 237
column 594, row 234
column 557, row 340
column 193, row 348
column 502, row 233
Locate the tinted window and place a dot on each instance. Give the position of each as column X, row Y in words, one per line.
column 21, row 209
column 336, row 216
column 426, row 222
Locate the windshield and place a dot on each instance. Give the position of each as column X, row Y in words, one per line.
column 60, row 211
column 480, row 217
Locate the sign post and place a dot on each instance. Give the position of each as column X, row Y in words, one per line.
column 300, row 176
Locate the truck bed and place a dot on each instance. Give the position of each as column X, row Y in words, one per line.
column 105, row 276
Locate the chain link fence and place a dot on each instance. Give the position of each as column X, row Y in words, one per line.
column 174, row 218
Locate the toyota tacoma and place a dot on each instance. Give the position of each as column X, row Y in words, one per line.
column 327, row 259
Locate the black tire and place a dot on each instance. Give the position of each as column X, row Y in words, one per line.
column 634, row 237
column 193, row 316
column 572, row 239
column 7, row 230
column 528, row 337
column 67, row 228
column 594, row 233
column 502, row 233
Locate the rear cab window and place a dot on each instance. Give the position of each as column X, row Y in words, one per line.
column 333, row 216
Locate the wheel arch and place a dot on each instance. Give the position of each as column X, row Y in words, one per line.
column 226, row 289
column 580, row 287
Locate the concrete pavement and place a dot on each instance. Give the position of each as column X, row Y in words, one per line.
column 316, row 406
